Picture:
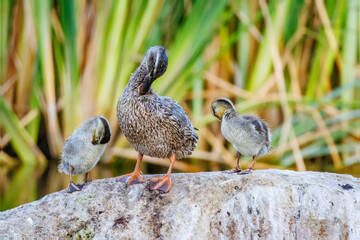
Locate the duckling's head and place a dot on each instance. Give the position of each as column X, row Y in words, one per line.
column 219, row 106
column 155, row 65
column 101, row 130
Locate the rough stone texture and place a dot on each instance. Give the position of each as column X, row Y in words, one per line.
column 266, row 204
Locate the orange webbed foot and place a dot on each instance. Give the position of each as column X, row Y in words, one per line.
column 161, row 183
column 131, row 178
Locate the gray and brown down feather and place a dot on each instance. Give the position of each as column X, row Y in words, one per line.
column 249, row 134
column 80, row 151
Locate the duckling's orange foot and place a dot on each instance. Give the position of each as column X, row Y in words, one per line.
column 75, row 187
column 161, row 183
column 234, row 170
column 131, row 178
column 246, row 171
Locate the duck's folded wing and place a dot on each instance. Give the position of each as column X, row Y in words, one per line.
column 260, row 126
column 174, row 112
column 178, row 117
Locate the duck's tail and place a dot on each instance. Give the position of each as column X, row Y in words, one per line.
column 190, row 141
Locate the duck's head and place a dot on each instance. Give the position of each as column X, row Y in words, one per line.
column 219, row 106
column 101, row 130
column 155, row 64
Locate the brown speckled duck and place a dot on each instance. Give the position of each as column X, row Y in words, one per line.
column 155, row 126
column 249, row 134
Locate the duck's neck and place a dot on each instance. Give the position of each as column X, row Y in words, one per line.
column 136, row 79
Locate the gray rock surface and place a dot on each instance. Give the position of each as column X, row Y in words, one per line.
column 266, row 204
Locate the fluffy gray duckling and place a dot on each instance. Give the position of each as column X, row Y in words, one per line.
column 249, row 135
column 83, row 149
column 155, row 126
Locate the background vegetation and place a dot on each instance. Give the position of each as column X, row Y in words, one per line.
column 295, row 63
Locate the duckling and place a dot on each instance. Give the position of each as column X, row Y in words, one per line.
column 249, row 135
column 156, row 126
column 83, row 150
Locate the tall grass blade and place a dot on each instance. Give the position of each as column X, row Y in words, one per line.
column 4, row 32
column 327, row 48
column 350, row 49
column 20, row 139
column 188, row 45
column 41, row 12
column 111, row 59
column 68, row 67
column 262, row 66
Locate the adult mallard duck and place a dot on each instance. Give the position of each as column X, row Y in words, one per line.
column 83, row 150
column 249, row 135
column 155, row 126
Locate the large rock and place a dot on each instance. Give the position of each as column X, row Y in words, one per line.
column 271, row 204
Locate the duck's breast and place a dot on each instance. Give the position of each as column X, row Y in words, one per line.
column 152, row 127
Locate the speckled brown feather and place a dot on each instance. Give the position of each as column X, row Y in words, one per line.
column 154, row 125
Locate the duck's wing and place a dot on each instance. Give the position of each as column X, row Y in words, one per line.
column 76, row 145
column 260, row 126
column 180, row 123
column 172, row 110
column 181, row 127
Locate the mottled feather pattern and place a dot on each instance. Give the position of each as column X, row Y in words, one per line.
column 154, row 125
column 153, row 129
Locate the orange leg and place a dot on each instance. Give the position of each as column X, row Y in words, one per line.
column 163, row 183
column 72, row 186
column 134, row 177
column 251, row 166
column 236, row 166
